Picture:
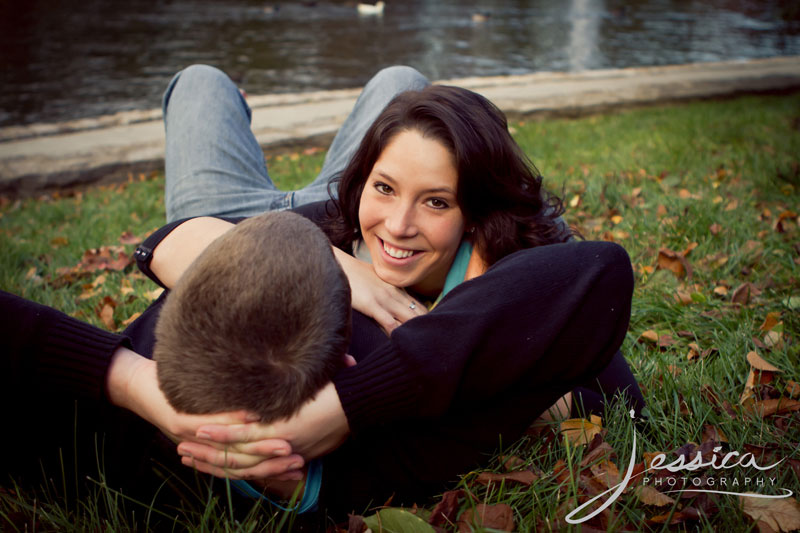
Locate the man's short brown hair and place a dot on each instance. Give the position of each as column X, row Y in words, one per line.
column 259, row 321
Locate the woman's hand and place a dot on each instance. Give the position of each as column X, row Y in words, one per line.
column 390, row 306
column 132, row 383
column 318, row 428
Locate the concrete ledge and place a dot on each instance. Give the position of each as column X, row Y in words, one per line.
column 39, row 157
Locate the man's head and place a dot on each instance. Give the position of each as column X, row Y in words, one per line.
column 260, row 321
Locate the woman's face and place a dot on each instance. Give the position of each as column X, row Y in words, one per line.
column 409, row 217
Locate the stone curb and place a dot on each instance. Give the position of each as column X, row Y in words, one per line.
column 40, row 157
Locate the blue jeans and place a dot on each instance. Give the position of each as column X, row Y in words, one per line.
column 215, row 166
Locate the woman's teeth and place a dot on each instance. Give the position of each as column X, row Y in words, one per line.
column 397, row 253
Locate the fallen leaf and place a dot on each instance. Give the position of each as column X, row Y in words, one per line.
column 499, row 516
column 793, row 389
column 154, row 294
column 130, row 319
column 650, row 496
column 715, row 229
column 356, row 524
column 713, row 433
column 720, row 290
column 743, row 293
column 579, row 431
column 446, row 511
column 683, row 297
column 649, row 335
column 733, row 204
column 773, row 339
column 758, row 363
column 780, row 514
column 691, row 246
column 59, row 241
column 777, row 406
column 523, row 477
column 772, row 319
column 679, row 517
column 606, row 473
column 107, row 317
column 129, row 238
column 674, row 262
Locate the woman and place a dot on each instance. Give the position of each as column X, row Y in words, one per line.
column 435, row 193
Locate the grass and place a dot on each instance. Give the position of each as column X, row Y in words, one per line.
column 714, row 182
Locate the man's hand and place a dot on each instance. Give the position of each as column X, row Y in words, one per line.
column 132, row 383
column 246, row 450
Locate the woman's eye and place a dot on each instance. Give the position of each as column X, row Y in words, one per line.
column 437, row 203
column 382, row 188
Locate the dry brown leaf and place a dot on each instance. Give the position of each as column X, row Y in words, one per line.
column 649, row 456
column 715, row 229
column 691, row 246
column 773, row 339
column 771, row 321
column 720, row 290
column 154, row 294
column 713, row 433
column 606, row 473
column 580, row 431
column 130, row 319
column 129, row 238
column 524, row 477
column 744, row 292
column 499, row 516
column 683, row 297
column 59, row 241
column 776, row 406
column 758, row 363
column 674, row 370
column 793, row 389
column 674, row 262
column 107, row 317
column 649, row 335
column 650, row 496
column 446, row 510
column 780, row 514
column 733, row 204
column 511, row 462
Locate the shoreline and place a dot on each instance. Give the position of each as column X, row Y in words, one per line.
column 43, row 157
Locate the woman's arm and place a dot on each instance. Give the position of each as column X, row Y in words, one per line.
column 173, row 254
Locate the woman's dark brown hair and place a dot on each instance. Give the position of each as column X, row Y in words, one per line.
column 499, row 190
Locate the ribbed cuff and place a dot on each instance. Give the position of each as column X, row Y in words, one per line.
column 377, row 389
column 74, row 357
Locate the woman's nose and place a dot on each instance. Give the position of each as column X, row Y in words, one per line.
column 400, row 221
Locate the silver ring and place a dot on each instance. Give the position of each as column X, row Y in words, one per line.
column 412, row 306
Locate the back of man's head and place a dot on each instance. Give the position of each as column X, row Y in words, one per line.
column 260, row 321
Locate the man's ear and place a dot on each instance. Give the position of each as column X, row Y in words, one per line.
column 349, row 360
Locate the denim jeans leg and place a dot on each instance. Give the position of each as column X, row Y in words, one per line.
column 214, row 165
column 378, row 92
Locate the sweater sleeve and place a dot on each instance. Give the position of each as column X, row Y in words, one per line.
column 546, row 314
column 52, row 351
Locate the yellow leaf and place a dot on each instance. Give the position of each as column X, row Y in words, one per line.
column 130, row 319
column 772, row 319
column 616, row 219
column 649, row 335
column 154, row 294
column 758, row 363
column 580, row 431
column 575, row 201
column 650, row 496
column 780, row 514
column 721, row 290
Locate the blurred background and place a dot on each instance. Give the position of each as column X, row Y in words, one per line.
column 70, row 59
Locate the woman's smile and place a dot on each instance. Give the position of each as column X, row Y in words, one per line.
column 410, row 219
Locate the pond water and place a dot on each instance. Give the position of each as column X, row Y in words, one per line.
column 75, row 58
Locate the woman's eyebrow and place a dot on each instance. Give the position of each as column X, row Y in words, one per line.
column 393, row 182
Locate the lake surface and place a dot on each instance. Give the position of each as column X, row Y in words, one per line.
column 76, row 58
